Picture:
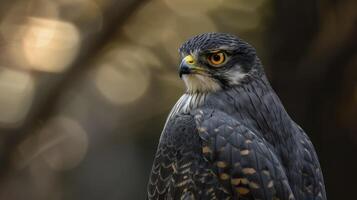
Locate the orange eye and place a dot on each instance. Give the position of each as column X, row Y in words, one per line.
column 217, row 58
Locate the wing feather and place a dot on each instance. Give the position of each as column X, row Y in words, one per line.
column 244, row 162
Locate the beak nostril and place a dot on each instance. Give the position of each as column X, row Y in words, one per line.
column 189, row 60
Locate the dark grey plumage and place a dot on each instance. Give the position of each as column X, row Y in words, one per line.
column 233, row 140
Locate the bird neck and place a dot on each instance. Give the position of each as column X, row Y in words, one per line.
column 255, row 105
column 188, row 102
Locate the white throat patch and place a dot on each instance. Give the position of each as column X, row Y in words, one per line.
column 200, row 83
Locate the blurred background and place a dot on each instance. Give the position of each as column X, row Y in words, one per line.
column 86, row 86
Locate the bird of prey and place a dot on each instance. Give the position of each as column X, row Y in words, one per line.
column 229, row 136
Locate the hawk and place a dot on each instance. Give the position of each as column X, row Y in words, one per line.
column 229, row 136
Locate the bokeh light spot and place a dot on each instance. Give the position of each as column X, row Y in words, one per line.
column 63, row 143
column 17, row 90
column 122, row 78
column 50, row 45
column 147, row 26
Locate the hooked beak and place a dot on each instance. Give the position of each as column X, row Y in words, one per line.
column 188, row 66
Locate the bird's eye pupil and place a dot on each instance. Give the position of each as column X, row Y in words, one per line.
column 216, row 57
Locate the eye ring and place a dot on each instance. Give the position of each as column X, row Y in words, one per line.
column 217, row 58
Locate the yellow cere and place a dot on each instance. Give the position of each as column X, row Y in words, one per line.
column 189, row 59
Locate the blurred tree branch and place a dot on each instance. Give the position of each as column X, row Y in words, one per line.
column 50, row 92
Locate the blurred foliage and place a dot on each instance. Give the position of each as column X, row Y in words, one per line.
column 86, row 86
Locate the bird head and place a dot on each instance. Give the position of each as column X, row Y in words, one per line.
column 214, row 61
